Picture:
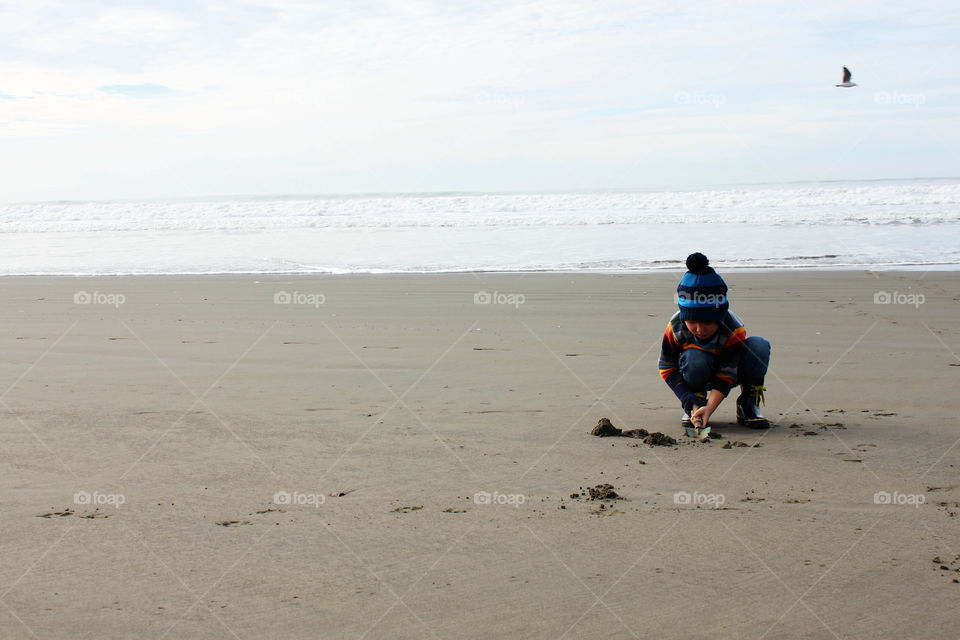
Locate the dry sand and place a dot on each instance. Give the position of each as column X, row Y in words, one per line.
column 200, row 404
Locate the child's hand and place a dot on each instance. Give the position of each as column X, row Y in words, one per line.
column 702, row 414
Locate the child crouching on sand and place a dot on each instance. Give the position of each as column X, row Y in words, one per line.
column 706, row 348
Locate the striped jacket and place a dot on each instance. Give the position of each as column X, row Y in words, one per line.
column 725, row 346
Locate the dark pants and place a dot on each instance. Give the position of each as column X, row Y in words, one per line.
column 699, row 367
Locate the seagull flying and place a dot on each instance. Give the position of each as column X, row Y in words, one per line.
column 846, row 79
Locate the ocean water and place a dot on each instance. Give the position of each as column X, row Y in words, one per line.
column 874, row 224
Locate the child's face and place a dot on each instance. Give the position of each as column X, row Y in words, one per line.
column 703, row 330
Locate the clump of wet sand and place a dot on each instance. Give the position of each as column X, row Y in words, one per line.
column 598, row 492
column 605, row 429
column 659, row 439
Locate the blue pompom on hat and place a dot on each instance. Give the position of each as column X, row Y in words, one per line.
column 702, row 293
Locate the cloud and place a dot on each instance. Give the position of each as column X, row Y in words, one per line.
column 146, row 90
column 289, row 95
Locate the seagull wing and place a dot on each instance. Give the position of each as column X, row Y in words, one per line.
column 846, row 75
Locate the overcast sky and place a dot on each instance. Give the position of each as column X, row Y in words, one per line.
column 102, row 100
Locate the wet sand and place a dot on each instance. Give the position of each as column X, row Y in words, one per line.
column 410, row 456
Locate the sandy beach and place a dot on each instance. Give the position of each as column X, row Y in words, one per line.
column 396, row 456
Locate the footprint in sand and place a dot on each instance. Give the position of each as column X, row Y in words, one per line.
column 947, row 506
column 408, row 509
column 949, row 568
column 603, row 511
column 505, row 411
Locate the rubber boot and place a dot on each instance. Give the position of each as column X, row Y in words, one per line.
column 748, row 405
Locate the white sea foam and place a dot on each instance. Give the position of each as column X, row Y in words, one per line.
column 765, row 226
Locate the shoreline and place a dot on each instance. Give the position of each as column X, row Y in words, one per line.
column 679, row 268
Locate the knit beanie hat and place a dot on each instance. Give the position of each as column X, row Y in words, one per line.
column 702, row 294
